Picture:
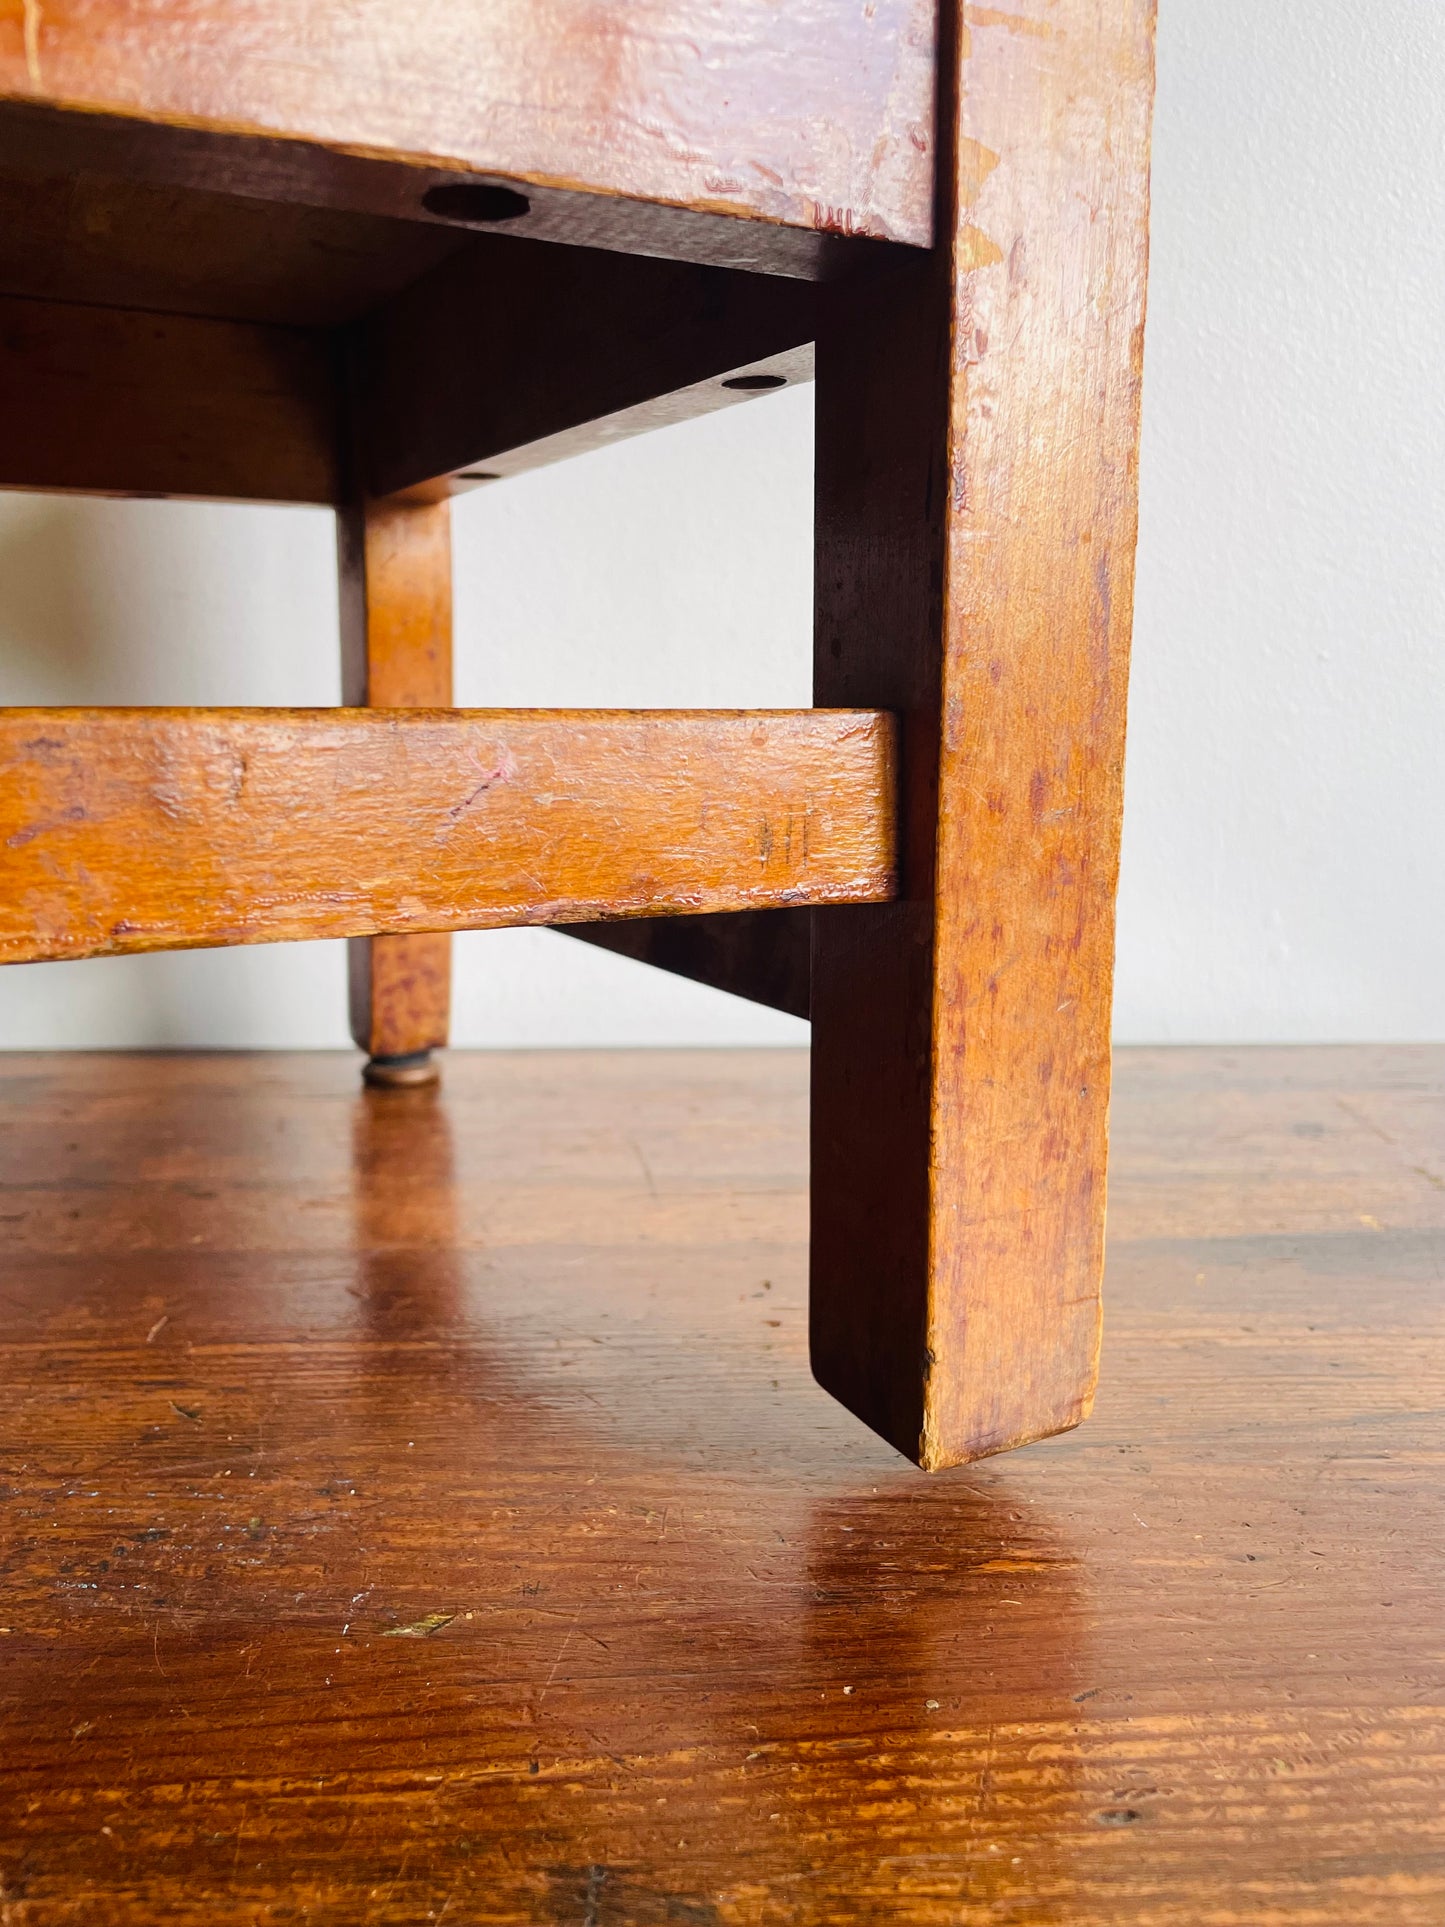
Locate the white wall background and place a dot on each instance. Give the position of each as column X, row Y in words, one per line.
column 1285, row 826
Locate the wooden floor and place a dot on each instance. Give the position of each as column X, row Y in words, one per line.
column 418, row 1509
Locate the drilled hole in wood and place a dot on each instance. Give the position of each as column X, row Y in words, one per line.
column 474, row 201
column 752, row 384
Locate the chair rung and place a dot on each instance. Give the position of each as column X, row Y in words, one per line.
column 164, row 829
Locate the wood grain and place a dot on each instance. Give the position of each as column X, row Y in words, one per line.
column 72, row 235
column 817, row 118
column 399, row 995
column 288, row 1369
column 113, row 401
column 394, row 561
column 395, row 571
column 127, row 830
column 326, row 181
column 513, row 353
column 977, row 436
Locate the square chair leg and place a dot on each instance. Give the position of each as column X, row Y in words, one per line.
column 977, row 431
column 396, row 650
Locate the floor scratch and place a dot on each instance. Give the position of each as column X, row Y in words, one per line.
column 561, row 1655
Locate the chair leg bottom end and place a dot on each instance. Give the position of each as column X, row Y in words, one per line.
column 401, row 1073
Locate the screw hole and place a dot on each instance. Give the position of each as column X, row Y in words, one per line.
column 474, row 201
column 754, row 384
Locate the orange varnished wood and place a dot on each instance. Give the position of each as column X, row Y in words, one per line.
column 817, row 118
column 977, row 433
column 116, row 401
column 395, row 570
column 978, row 417
column 289, row 1370
column 127, row 830
column 395, row 567
column 399, row 993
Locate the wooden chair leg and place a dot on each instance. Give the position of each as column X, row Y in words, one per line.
column 977, row 443
column 395, row 560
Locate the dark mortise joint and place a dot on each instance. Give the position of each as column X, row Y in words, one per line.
column 475, row 201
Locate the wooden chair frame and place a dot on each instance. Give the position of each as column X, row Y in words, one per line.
column 948, row 210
